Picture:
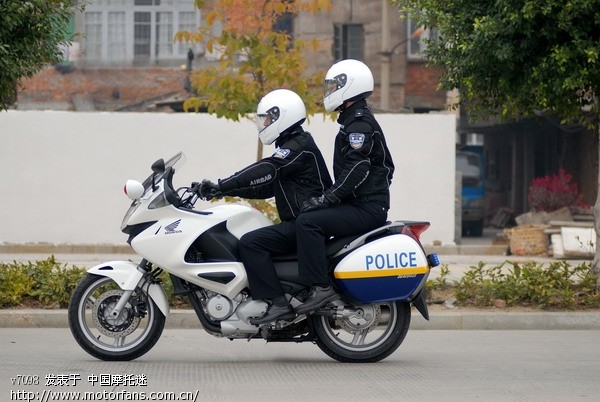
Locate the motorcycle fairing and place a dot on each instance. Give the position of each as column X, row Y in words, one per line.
column 389, row 268
column 127, row 275
column 167, row 242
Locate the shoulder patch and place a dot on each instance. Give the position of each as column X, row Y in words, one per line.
column 356, row 140
column 281, row 153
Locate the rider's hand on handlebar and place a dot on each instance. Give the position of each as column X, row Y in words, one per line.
column 209, row 190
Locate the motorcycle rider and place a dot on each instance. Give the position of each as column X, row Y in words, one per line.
column 359, row 199
column 293, row 174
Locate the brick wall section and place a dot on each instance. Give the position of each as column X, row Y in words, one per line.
column 111, row 89
column 421, row 87
column 108, row 88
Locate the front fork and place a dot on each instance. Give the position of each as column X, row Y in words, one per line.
column 129, row 276
column 116, row 311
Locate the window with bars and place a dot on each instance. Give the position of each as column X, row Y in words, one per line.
column 142, row 31
column 93, row 35
column 116, row 36
column 142, row 34
column 418, row 39
column 187, row 22
column 348, row 41
column 164, row 34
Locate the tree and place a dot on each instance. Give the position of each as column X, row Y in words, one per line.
column 31, row 33
column 256, row 57
column 519, row 58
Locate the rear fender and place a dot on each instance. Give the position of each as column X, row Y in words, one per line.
column 127, row 275
column 420, row 303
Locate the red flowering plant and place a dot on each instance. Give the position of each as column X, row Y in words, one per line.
column 550, row 193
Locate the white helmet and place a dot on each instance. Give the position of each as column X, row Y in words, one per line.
column 276, row 112
column 347, row 80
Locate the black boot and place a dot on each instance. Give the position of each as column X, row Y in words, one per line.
column 274, row 313
column 317, row 297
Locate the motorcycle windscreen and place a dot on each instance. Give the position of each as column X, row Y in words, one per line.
column 387, row 269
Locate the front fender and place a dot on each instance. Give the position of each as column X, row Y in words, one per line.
column 127, row 275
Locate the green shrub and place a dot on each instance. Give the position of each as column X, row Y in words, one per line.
column 46, row 282
column 49, row 284
column 54, row 283
column 552, row 286
column 441, row 282
column 15, row 284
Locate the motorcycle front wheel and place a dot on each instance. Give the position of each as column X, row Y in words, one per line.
column 371, row 333
column 133, row 333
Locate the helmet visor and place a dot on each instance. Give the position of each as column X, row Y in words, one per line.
column 335, row 83
column 264, row 120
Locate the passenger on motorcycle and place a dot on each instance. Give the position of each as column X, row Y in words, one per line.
column 359, row 199
column 293, row 174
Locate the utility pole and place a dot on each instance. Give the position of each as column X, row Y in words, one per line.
column 387, row 51
column 386, row 56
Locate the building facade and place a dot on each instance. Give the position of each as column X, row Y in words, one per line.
column 124, row 57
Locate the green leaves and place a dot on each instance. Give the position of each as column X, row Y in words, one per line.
column 517, row 58
column 15, row 284
column 548, row 286
column 254, row 60
column 30, row 35
column 46, row 282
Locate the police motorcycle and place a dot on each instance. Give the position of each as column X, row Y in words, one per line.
column 118, row 310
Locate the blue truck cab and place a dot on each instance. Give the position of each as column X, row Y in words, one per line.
column 470, row 163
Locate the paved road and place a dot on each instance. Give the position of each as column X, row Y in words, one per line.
column 429, row 366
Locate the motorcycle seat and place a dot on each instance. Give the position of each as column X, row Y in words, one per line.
column 332, row 246
column 335, row 245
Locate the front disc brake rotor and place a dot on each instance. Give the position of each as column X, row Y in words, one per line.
column 364, row 317
column 121, row 326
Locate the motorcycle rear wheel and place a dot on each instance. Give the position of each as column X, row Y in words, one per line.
column 369, row 335
column 127, row 337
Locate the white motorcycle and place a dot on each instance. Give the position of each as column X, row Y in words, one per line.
column 118, row 310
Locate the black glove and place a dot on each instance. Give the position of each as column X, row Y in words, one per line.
column 209, row 190
column 323, row 201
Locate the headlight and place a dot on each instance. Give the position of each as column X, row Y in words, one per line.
column 133, row 189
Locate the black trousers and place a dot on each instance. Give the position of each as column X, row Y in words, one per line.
column 256, row 248
column 313, row 228
column 307, row 236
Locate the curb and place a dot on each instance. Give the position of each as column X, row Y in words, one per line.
column 451, row 320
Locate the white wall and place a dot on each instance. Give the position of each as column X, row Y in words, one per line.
column 63, row 172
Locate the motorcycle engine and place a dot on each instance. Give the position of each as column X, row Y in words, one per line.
column 218, row 307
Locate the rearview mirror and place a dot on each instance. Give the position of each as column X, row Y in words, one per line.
column 158, row 168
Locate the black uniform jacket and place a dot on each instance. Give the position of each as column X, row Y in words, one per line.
column 293, row 174
column 362, row 163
